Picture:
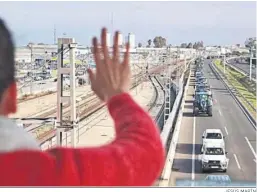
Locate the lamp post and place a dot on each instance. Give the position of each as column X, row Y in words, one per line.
column 224, row 63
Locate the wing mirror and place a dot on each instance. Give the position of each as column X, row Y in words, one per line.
column 202, row 136
column 224, row 137
column 226, row 152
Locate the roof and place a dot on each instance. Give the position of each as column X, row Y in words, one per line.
column 202, row 92
column 214, row 144
column 213, row 131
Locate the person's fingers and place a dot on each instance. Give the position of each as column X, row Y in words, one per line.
column 97, row 56
column 116, row 53
column 104, row 45
column 126, row 56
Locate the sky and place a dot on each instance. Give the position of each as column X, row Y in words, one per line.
column 215, row 23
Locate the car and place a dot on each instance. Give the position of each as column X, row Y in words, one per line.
column 213, row 157
column 201, row 83
column 213, row 136
column 201, row 79
column 203, row 87
column 198, row 74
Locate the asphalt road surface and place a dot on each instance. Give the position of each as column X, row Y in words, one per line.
column 227, row 116
column 245, row 67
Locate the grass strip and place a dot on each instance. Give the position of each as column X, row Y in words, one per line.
column 243, row 86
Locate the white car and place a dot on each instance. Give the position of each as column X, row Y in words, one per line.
column 213, row 157
column 213, row 136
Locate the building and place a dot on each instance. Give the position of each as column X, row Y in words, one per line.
column 42, row 52
column 132, row 40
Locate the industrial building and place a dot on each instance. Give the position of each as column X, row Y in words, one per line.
column 41, row 52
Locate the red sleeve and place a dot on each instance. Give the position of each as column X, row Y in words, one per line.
column 134, row 158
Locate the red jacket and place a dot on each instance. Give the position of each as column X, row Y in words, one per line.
column 134, row 158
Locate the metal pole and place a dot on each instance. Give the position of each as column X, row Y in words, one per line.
column 31, row 77
column 59, row 91
column 251, row 63
column 224, row 64
column 73, row 96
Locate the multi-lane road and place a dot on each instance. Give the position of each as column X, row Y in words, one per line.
column 240, row 135
column 245, row 67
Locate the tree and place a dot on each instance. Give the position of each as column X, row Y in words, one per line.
column 190, row 45
column 250, row 42
column 149, row 42
column 139, row 44
column 159, row 42
column 195, row 46
column 183, row 45
column 198, row 45
column 201, row 43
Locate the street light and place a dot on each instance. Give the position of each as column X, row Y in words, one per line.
column 224, row 63
column 251, row 60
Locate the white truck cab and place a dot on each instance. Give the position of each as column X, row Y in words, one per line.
column 213, row 157
column 213, row 136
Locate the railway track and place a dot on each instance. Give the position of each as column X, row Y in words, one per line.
column 85, row 108
column 88, row 122
column 86, row 99
column 88, row 111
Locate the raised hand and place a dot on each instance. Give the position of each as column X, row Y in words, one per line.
column 112, row 77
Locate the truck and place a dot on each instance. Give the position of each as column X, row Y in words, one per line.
column 213, row 157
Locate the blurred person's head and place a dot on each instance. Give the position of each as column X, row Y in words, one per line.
column 8, row 90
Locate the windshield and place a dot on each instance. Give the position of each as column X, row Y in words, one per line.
column 214, row 151
column 213, row 136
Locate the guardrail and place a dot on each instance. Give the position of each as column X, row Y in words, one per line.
column 240, row 93
column 239, row 70
column 161, row 110
column 157, row 111
column 243, row 108
column 167, row 127
column 176, row 112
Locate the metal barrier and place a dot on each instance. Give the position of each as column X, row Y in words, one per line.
column 239, row 70
column 176, row 110
column 243, row 108
column 167, row 127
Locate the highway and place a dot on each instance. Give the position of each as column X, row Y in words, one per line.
column 227, row 116
column 245, row 67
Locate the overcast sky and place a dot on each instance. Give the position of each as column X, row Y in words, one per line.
column 212, row 22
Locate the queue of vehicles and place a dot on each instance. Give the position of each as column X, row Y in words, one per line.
column 213, row 153
column 202, row 96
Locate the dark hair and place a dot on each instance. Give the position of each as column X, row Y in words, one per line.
column 7, row 68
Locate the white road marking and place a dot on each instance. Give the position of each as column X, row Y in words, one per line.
column 237, row 162
column 255, row 160
column 251, row 147
column 193, row 153
column 219, row 112
column 226, row 130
